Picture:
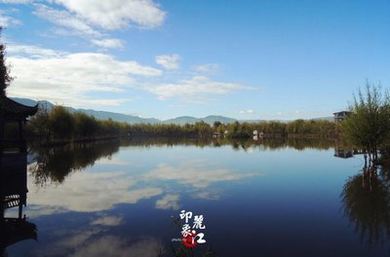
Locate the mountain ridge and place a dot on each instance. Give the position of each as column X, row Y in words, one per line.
column 132, row 119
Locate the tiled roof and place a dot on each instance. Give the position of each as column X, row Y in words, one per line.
column 342, row 112
column 11, row 108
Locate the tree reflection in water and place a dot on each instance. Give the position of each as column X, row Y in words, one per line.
column 366, row 199
column 244, row 144
column 182, row 251
column 54, row 164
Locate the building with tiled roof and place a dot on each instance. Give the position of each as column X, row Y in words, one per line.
column 13, row 112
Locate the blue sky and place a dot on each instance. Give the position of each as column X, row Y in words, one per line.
column 243, row 59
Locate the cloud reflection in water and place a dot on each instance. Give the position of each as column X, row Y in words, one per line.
column 95, row 239
column 195, row 174
column 120, row 179
column 169, row 201
column 91, row 192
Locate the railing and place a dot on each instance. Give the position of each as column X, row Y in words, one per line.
column 11, row 201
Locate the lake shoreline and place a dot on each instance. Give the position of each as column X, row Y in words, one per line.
column 58, row 142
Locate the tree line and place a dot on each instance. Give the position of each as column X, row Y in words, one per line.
column 278, row 129
column 61, row 125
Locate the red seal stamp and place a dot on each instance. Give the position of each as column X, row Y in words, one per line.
column 189, row 240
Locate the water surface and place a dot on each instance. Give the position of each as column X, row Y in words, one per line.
column 123, row 199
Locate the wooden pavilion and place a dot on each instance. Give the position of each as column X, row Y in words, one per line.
column 13, row 154
column 13, row 112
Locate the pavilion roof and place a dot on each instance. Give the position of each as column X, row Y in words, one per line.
column 10, row 108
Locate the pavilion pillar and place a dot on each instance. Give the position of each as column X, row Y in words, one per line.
column 20, row 211
column 20, row 130
column 22, row 143
column 2, row 124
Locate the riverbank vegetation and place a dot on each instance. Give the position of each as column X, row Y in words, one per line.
column 60, row 125
column 368, row 125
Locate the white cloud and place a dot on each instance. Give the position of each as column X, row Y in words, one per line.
column 70, row 77
column 15, row 1
column 169, row 62
column 197, row 86
column 108, row 43
column 85, row 102
column 65, row 19
column 70, row 24
column 31, row 51
column 74, row 76
column 209, row 68
column 169, row 201
column 116, row 14
column 248, row 111
column 109, row 15
column 90, row 19
column 6, row 21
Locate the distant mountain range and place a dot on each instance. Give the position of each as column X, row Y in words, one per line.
column 191, row 120
column 131, row 119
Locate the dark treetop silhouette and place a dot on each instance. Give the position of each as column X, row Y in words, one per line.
column 5, row 78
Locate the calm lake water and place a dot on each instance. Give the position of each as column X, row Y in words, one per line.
column 274, row 199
